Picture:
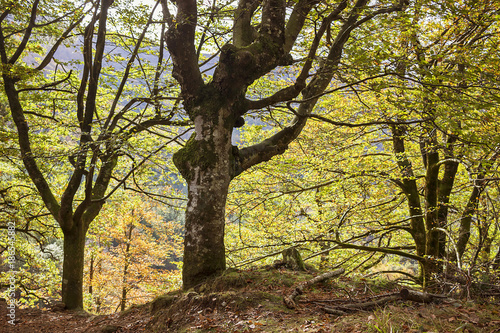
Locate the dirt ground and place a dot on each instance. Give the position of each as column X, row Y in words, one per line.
column 252, row 301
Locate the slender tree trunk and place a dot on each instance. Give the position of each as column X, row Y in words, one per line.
column 123, row 302
column 72, row 281
column 445, row 188
column 91, row 274
column 430, row 156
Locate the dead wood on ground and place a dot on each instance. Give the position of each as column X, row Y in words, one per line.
column 299, row 290
column 403, row 295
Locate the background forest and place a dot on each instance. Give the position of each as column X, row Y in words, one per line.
column 394, row 174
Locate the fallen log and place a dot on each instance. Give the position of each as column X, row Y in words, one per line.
column 420, row 297
column 299, row 290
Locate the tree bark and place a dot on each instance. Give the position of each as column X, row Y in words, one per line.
column 445, row 188
column 72, row 279
column 410, row 189
column 430, row 156
column 205, row 164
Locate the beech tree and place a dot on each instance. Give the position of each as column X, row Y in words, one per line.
column 75, row 117
column 265, row 35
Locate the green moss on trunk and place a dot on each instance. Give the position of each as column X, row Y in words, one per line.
column 196, row 153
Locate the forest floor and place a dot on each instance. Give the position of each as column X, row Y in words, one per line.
column 252, row 301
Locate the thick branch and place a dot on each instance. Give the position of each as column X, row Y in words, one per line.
column 66, row 212
column 292, row 92
column 87, row 66
column 98, row 191
column 243, row 32
column 25, row 146
column 297, row 20
column 273, row 21
column 409, row 187
column 181, row 44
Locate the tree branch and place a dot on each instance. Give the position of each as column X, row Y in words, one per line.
column 243, row 32
column 50, row 85
column 278, row 143
column 27, row 34
column 181, row 45
column 126, row 73
column 376, row 249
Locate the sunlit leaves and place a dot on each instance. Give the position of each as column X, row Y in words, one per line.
column 132, row 245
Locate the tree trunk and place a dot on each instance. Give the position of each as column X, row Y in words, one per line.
column 466, row 219
column 123, row 302
column 205, row 163
column 208, row 161
column 72, row 281
column 91, row 274
column 446, row 184
column 409, row 186
column 430, row 157
column 496, row 261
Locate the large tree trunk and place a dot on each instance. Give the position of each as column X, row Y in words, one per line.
column 72, row 280
column 205, row 163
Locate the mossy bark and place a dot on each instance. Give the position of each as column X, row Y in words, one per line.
column 293, row 259
column 205, row 164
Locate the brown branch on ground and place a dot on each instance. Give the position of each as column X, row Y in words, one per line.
column 299, row 290
column 404, row 294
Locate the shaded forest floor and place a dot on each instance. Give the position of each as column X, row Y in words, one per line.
column 252, row 301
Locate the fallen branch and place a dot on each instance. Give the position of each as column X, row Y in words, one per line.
column 404, row 294
column 299, row 290
column 420, row 297
column 370, row 304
